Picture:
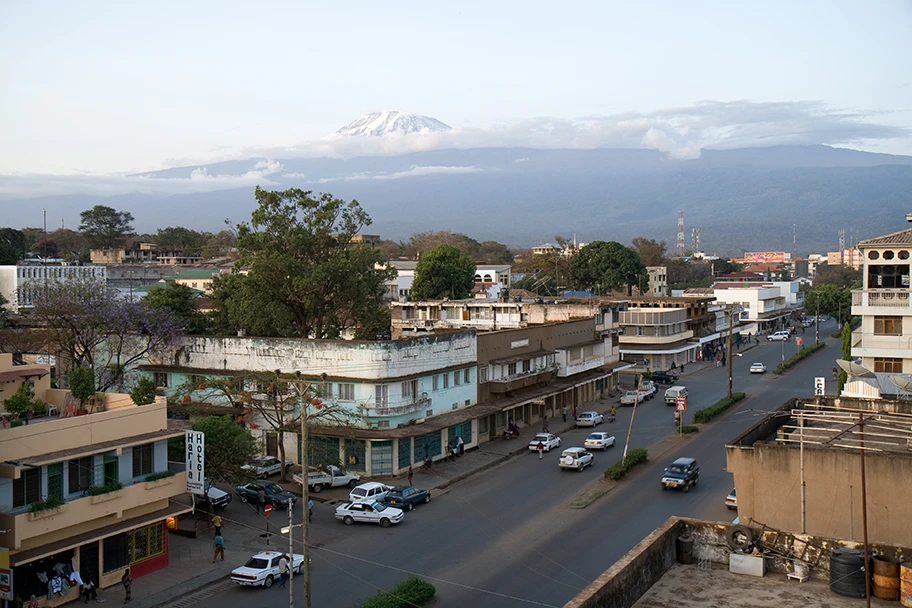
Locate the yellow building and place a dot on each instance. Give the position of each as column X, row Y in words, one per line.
column 83, row 489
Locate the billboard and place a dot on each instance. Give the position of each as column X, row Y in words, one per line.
column 766, row 257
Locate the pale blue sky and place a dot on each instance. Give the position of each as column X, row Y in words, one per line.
column 119, row 86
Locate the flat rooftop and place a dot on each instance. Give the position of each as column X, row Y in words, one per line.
column 829, row 427
column 689, row 586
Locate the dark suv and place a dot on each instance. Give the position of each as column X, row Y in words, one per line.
column 663, row 378
column 682, row 473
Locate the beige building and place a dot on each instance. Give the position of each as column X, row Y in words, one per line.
column 86, row 489
column 847, row 257
column 658, row 281
column 820, row 444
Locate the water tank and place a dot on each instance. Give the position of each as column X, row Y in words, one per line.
column 847, row 572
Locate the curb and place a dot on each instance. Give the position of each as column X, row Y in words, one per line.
column 178, row 591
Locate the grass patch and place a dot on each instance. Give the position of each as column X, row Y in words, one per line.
column 687, row 429
column 413, row 591
column 708, row 413
column 587, row 498
column 804, row 353
column 634, row 457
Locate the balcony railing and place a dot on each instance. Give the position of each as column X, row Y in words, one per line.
column 515, row 382
column 581, row 366
column 887, row 298
column 397, row 408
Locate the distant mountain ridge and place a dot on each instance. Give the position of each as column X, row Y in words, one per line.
column 379, row 124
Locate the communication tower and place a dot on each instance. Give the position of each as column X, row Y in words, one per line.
column 695, row 239
column 680, row 247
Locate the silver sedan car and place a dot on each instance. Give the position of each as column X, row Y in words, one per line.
column 589, row 419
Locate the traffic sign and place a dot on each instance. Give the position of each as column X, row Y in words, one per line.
column 798, row 340
column 681, row 403
column 267, row 509
column 819, row 387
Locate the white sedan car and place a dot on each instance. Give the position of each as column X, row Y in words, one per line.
column 576, row 458
column 757, row 368
column 589, row 419
column 374, row 513
column 262, row 570
column 262, row 468
column 547, row 439
column 599, row 441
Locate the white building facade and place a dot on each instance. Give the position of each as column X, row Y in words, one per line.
column 19, row 283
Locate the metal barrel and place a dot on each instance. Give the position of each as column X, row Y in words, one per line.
column 685, row 549
column 886, row 578
column 905, row 584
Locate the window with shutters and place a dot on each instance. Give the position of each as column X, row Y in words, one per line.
column 888, row 365
column 80, row 475
column 888, row 326
column 143, row 459
column 27, row 489
column 346, row 392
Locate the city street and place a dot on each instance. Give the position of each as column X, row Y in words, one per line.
column 506, row 537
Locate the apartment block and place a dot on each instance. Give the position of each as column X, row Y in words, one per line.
column 19, row 283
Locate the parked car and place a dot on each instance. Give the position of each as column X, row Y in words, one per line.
column 664, row 378
column 757, row 368
column 369, row 492
column 682, row 473
column 276, row 495
column 262, row 569
column 672, row 393
column 550, row 441
column 779, row 336
column 576, row 458
column 261, row 468
column 599, row 441
column 589, row 419
column 374, row 513
column 406, row 497
column 332, row 477
column 731, row 501
column 219, row 499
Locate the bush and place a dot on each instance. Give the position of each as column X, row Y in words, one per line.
column 47, row 504
column 39, row 407
column 109, row 487
column 82, row 383
column 687, row 429
column 708, row 413
column 20, row 401
column 160, row 475
column 634, row 457
column 413, row 591
column 144, row 392
column 805, row 352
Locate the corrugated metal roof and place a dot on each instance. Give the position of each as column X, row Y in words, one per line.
column 903, row 237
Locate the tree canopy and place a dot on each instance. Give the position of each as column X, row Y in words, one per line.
column 229, row 446
column 180, row 300
column 105, row 227
column 838, row 275
column 604, row 266
column 651, row 252
column 306, row 277
column 12, row 246
column 830, row 300
column 443, row 272
column 486, row 252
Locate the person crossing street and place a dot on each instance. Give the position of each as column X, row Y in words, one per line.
column 541, row 449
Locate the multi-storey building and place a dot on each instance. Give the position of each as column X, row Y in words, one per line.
column 84, row 489
column 658, row 281
column 19, row 283
column 765, row 305
column 883, row 342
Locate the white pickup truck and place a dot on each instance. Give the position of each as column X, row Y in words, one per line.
column 647, row 391
column 331, row 477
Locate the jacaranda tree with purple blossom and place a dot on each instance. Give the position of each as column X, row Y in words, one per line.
column 90, row 325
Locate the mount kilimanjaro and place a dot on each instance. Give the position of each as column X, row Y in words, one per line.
column 379, row 124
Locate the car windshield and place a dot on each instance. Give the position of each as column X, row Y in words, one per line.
column 395, row 494
column 569, row 454
column 595, row 436
column 257, row 563
column 540, row 438
column 673, row 470
column 378, row 507
column 273, row 488
column 586, row 415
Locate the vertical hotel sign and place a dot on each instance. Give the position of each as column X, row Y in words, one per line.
column 6, row 575
column 196, row 474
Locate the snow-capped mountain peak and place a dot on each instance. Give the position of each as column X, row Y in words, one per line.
column 378, row 124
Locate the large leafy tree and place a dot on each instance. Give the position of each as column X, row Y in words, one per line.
column 829, row 299
column 105, row 227
column 487, row 252
column 840, row 276
column 270, row 400
column 305, row 275
column 651, row 252
column 229, row 446
column 443, row 272
column 606, row 266
column 89, row 325
column 178, row 238
column 846, row 355
column 180, row 301
column 12, row 246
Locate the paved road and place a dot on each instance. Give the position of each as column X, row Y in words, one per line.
column 506, row 538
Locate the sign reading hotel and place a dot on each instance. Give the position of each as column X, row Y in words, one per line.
column 764, row 257
column 196, row 474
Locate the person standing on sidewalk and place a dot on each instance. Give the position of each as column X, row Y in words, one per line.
column 541, row 449
column 544, row 424
column 410, row 473
column 310, row 509
column 283, row 570
column 564, row 413
column 217, row 524
column 219, row 548
column 460, row 445
column 127, row 581
column 261, row 498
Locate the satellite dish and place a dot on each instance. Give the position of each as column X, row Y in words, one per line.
column 854, row 369
column 902, row 383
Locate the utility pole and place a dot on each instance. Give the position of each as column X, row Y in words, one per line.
column 290, row 554
column 817, row 323
column 864, row 511
column 630, row 428
column 728, row 348
column 305, row 497
column 803, row 486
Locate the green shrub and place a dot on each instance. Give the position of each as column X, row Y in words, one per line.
column 144, row 392
column 413, row 591
column 160, row 475
column 39, row 407
column 47, row 504
column 82, row 383
column 804, row 353
column 20, row 401
column 634, row 457
column 109, row 487
column 708, row 413
column 687, row 429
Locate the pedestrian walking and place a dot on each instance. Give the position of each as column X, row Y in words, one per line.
column 90, row 592
column 410, row 473
column 310, row 509
column 219, row 548
column 217, row 523
column 564, row 413
column 544, row 424
column 574, row 412
column 541, row 449
column 127, row 581
column 33, row 602
column 283, row 569
column 460, row 445
column 261, row 498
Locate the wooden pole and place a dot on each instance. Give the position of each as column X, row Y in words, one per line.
column 864, row 513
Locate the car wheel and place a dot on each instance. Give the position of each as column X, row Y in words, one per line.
column 347, row 520
column 268, row 582
column 687, row 488
column 300, row 569
column 409, row 507
column 317, row 488
column 243, row 498
column 353, row 483
column 730, row 508
column 664, row 487
column 427, row 499
column 385, row 522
